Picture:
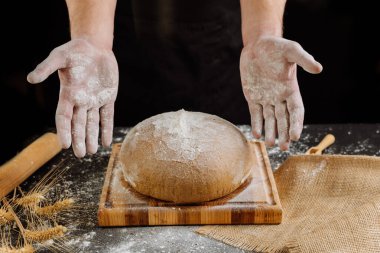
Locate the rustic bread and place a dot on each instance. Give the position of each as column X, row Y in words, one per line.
column 185, row 157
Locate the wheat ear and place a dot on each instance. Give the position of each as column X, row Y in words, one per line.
column 26, row 249
column 5, row 217
column 45, row 234
column 55, row 208
column 30, row 199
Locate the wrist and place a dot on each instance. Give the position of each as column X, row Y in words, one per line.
column 100, row 42
column 255, row 32
column 92, row 20
column 261, row 18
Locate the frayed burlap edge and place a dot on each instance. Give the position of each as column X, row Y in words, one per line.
column 250, row 242
column 255, row 244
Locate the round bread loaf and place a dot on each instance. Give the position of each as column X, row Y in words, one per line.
column 185, row 157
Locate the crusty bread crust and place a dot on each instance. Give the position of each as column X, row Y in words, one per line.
column 185, row 157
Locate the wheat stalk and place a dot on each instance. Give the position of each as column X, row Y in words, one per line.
column 55, row 208
column 45, row 234
column 30, row 200
column 5, row 217
column 26, row 249
column 37, row 194
column 35, row 204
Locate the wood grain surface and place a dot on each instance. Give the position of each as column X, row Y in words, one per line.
column 25, row 163
column 255, row 202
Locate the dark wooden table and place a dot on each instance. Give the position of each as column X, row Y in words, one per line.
column 84, row 181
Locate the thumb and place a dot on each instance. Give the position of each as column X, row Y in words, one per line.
column 295, row 53
column 53, row 62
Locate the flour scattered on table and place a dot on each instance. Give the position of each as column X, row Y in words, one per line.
column 124, row 247
column 81, row 242
column 358, row 148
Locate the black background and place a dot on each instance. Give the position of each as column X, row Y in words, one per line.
column 342, row 35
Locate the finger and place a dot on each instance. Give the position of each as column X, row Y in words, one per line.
column 282, row 126
column 256, row 112
column 296, row 115
column 53, row 62
column 295, row 53
column 78, row 131
column 270, row 125
column 106, row 121
column 63, row 119
column 92, row 131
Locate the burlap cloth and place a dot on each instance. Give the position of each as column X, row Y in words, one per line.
column 330, row 203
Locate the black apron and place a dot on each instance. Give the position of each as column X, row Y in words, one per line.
column 176, row 54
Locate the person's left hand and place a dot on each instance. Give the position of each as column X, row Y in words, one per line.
column 268, row 69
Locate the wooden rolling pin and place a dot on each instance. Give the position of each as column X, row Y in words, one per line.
column 24, row 164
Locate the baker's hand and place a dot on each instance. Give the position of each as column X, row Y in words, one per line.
column 88, row 87
column 268, row 69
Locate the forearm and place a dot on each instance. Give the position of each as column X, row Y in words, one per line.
column 261, row 17
column 92, row 19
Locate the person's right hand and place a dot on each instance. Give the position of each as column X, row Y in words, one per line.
column 88, row 87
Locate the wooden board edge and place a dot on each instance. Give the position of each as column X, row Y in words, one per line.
column 107, row 180
column 269, row 172
column 156, row 217
column 117, row 217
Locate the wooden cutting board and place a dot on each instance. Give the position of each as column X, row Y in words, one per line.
column 255, row 202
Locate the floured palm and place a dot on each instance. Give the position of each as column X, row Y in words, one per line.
column 89, row 82
column 269, row 77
